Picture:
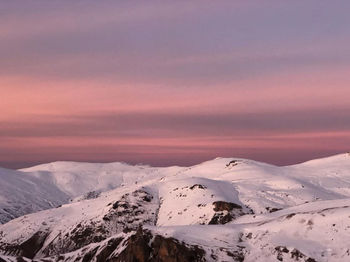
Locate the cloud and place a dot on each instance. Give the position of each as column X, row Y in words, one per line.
column 167, row 42
column 172, row 80
column 172, row 124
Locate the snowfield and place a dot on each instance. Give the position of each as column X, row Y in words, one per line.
column 226, row 209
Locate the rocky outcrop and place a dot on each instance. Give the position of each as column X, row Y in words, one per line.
column 294, row 254
column 225, row 206
column 225, row 212
column 198, row 186
column 232, row 163
column 127, row 214
column 142, row 246
column 28, row 248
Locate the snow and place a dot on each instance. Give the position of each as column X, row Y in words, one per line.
column 189, row 201
column 76, row 179
column 300, row 208
column 50, row 185
column 20, row 194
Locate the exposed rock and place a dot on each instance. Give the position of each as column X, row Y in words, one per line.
column 160, row 250
column 125, row 215
column 89, row 255
column 280, row 250
column 77, row 237
column 27, row 248
column 142, row 246
column 108, row 249
column 232, row 163
column 225, row 212
column 289, row 216
column 272, row 209
column 198, row 186
column 21, row 259
column 92, row 195
column 310, row 259
column 221, row 218
column 296, row 254
column 225, row 206
column 236, row 255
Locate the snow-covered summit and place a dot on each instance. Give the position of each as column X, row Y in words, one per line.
column 77, row 178
column 226, row 209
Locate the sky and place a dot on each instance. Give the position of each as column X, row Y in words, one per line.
column 173, row 82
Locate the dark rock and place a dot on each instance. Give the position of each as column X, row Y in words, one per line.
column 282, row 249
column 296, row 254
column 145, row 196
column 236, row 255
column 232, row 163
column 20, row 259
column 198, row 186
column 27, row 248
column 170, row 249
column 120, row 204
column 161, row 249
column 85, row 235
column 106, row 218
column 225, row 206
column 220, row 219
column 225, row 212
column 92, row 195
column 89, row 255
column 310, row 259
column 80, row 236
column 272, row 209
column 289, row 216
column 108, row 249
column 137, row 249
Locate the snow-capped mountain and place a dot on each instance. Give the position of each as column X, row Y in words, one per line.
column 226, row 209
column 21, row 194
column 50, row 185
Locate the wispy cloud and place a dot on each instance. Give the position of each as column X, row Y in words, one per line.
column 114, row 80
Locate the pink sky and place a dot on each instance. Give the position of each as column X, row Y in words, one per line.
column 143, row 83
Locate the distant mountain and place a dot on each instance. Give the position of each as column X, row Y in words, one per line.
column 50, row 185
column 226, row 209
column 21, row 194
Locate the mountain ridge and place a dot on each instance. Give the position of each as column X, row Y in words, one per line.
column 226, row 209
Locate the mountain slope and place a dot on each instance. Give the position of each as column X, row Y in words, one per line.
column 221, row 210
column 76, row 178
column 21, row 194
column 45, row 186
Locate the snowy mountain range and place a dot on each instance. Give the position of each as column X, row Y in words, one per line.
column 226, row 209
